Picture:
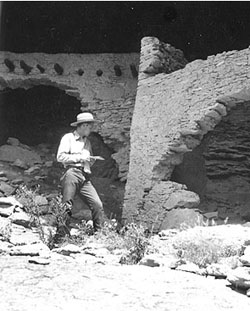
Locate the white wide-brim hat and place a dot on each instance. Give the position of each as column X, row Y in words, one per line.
column 84, row 117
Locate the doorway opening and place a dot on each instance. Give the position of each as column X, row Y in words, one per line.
column 219, row 170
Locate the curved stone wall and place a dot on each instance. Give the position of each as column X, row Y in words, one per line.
column 172, row 114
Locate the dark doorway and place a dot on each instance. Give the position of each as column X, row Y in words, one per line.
column 218, row 169
column 37, row 115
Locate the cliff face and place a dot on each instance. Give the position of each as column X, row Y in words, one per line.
column 172, row 115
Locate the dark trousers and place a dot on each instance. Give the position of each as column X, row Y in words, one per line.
column 74, row 180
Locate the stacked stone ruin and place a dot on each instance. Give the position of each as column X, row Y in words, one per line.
column 105, row 84
column 159, row 123
column 173, row 114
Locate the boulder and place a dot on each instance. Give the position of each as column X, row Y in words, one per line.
column 6, row 189
column 32, row 170
column 4, row 222
column 157, row 260
column 48, row 163
column 248, row 293
column 5, row 179
column 68, row 249
column 30, row 250
column 21, row 218
column 240, row 277
column 17, row 181
column 182, row 218
column 13, row 141
column 23, row 236
column 21, row 164
column 5, row 247
column 247, row 251
column 100, row 252
column 9, row 201
column 39, row 260
column 10, row 153
column 245, row 259
column 6, row 211
column 218, row 270
column 193, row 268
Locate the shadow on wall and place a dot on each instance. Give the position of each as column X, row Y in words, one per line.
column 218, row 169
column 192, row 171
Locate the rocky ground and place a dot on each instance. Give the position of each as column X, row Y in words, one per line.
column 91, row 278
column 91, row 275
column 69, row 283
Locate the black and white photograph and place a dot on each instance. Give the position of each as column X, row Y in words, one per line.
column 125, row 155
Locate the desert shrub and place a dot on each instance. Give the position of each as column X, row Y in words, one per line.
column 136, row 241
column 27, row 198
column 132, row 238
column 57, row 209
column 5, row 232
column 203, row 250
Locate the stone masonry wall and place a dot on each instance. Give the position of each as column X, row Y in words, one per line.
column 227, row 159
column 172, row 114
column 104, row 83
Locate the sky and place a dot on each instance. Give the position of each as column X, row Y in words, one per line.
column 198, row 28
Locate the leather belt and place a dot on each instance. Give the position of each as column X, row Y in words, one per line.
column 81, row 168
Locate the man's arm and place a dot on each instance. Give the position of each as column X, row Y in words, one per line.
column 64, row 156
column 92, row 158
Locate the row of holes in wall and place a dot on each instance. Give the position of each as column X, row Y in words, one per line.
column 59, row 69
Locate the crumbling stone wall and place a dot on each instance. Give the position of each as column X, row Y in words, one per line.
column 227, row 155
column 104, row 83
column 173, row 112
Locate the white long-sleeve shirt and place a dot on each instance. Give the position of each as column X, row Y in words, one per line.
column 75, row 150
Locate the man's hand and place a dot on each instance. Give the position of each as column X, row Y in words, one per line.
column 85, row 155
column 97, row 158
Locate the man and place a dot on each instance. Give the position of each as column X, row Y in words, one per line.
column 76, row 155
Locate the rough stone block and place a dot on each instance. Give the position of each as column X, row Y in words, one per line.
column 181, row 198
column 21, row 218
column 240, row 277
column 6, row 189
column 181, row 218
column 11, row 153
